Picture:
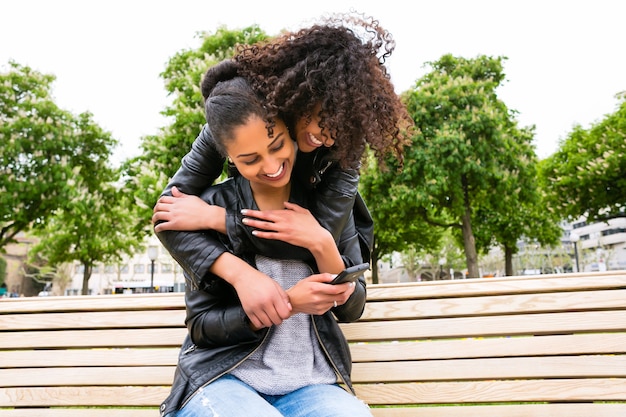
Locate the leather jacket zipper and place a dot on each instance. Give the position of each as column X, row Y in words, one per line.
column 330, row 359
column 193, row 347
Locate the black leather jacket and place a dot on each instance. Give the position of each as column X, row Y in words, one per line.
column 333, row 199
column 219, row 336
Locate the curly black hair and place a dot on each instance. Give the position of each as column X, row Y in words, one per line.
column 340, row 63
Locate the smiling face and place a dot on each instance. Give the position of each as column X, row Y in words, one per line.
column 309, row 133
column 265, row 161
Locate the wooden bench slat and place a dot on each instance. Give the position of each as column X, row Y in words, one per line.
column 493, row 305
column 501, row 368
column 510, row 325
column 497, row 368
column 560, row 390
column 80, row 376
column 89, row 357
column 164, row 301
column 93, row 338
column 83, row 396
column 80, row 412
column 504, row 285
column 526, row 410
column 93, row 320
column 583, row 344
column 530, row 410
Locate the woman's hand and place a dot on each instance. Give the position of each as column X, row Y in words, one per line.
column 263, row 300
column 314, row 294
column 187, row 212
column 295, row 225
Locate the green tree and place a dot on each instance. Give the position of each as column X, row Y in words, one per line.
column 398, row 227
column 466, row 156
column 587, row 175
column 148, row 174
column 517, row 211
column 94, row 227
column 42, row 148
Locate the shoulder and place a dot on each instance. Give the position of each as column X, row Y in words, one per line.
column 220, row 192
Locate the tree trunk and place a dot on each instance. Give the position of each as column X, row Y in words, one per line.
column 374, row 263
column 469, row 243
column 86, row 276
column 508, row 261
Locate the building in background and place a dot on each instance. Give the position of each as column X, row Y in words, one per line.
column 133, row 275
column 601, row 246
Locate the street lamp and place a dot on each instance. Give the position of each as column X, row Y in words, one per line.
column 153, row 252
column 575, row 238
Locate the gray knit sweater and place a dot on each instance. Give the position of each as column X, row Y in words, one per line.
column 291, row 357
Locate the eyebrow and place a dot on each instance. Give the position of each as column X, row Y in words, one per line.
column 278, row 136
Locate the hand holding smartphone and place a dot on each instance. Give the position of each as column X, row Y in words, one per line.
column 350, row 274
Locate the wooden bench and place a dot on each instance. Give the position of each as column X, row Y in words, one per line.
column 551, row 345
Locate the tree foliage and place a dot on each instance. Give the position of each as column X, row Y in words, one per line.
column 395, row 230
column 56, row 178
column 42, row 149
column 518, row 211
column 149, row 173
column 587, row 175
column 94, row 227
column 470, row 164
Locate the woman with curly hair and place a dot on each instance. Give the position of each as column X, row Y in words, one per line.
column 227, row 366
column 330, row 85
column 335, row 72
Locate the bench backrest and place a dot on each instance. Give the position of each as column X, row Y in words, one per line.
column 550, row 345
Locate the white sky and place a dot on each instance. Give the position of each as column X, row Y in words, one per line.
column 566, row 58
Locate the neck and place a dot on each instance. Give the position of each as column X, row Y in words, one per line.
column 270, row 198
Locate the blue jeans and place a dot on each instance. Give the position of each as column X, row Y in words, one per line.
column 229, row 397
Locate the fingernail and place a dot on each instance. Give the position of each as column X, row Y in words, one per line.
column 244, row 211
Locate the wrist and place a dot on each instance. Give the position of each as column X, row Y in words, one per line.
column 319, row 246
column 216, row 218
column 232, row 269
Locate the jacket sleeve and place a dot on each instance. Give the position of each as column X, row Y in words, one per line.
column 336, row 200
column 195, row 252
column 350, row 250
column 199, row 168
column 215, row 317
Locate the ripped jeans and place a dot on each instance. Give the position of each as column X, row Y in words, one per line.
column 230, row 397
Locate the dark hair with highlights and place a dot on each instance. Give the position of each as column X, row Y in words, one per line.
column 230, row 102
column 340, row 63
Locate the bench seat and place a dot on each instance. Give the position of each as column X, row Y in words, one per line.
column 547, row 345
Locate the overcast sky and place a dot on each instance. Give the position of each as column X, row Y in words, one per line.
column 566, row 59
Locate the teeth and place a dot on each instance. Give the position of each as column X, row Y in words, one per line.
column 280, row 171
column 315, row 140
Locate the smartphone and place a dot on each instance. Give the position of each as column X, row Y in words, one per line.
column 350, row 274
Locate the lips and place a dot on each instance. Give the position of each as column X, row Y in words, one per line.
column 278, row 173
column 314, row 141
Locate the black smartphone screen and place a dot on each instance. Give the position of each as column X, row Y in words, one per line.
column 350, row 274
